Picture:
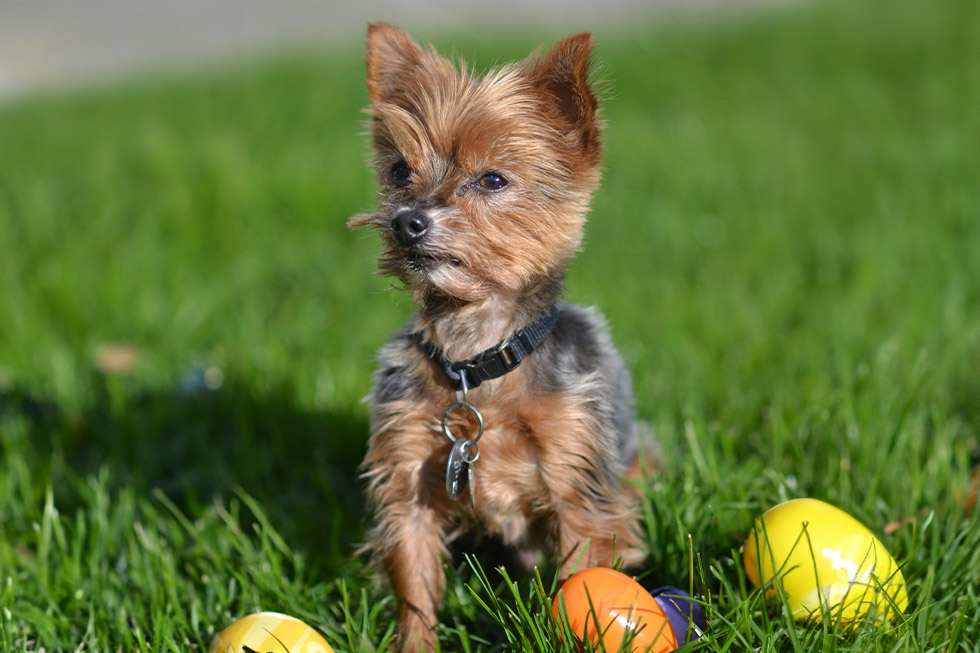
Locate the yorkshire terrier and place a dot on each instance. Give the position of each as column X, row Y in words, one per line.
column 498, row 405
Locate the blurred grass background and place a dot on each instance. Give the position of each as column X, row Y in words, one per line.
column 786, row 243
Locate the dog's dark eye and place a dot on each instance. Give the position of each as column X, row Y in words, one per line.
column 400, row 172
column 492, row 181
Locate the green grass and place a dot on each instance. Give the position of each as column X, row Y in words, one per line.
column 787, row 244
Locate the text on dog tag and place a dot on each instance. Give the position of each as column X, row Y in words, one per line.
column 456, row 469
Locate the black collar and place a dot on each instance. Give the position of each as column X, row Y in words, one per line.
column 496, row 361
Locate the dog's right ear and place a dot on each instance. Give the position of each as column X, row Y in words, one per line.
column 391, row 56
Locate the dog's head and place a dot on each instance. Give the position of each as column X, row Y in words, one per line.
column 485, row 181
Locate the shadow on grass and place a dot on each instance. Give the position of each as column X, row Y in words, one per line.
column 195, row 444
column 300, row 465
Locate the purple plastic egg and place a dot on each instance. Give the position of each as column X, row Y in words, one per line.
column 686, row 616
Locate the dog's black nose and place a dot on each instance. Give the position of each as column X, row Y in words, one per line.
column 409, row 227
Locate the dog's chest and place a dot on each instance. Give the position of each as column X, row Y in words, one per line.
column 510, row 491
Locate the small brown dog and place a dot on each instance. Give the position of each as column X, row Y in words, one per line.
column 497, row 405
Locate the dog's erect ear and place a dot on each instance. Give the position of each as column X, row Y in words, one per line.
column 391, row 55
column 563, row 74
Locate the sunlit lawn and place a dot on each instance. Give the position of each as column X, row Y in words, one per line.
column 787, row 245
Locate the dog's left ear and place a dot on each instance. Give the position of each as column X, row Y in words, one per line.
column 392, row 55
column 562, row 74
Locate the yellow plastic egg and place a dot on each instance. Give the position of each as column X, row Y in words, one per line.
column 827, row 563
column 269, row 632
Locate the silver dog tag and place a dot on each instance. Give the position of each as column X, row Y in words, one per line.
column 456, row 469
column 472, row 483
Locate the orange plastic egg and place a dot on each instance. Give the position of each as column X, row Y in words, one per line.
column 623, row 611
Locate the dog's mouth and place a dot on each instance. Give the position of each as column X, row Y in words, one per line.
column 426, row 261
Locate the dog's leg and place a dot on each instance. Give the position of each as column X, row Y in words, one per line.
column 595, row 513
column 405, row 467
column 588, row 536
column 414, row 565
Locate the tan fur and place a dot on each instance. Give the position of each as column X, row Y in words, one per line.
column 525, row 476
column 449, row 126
column 550, row 457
